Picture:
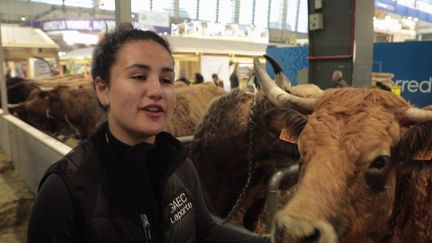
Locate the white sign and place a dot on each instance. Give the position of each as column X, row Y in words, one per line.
column 218, row 65
column 153, row 18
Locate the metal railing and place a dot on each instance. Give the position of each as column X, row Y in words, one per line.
column 273, row 188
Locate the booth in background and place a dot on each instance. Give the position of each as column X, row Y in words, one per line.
column 29, row 52
column 77, row 61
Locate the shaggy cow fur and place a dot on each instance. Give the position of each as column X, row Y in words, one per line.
column 220, row 152
column 359, row 182
column 19, row 89
column 64, row 111
column 192, row 102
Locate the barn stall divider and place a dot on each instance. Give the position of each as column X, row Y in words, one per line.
column 33, row 151
column 30, row 150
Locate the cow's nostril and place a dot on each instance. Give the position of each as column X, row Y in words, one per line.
column 311, row 238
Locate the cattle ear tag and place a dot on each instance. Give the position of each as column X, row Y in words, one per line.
column 288, row 136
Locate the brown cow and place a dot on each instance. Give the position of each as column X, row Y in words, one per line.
column 78, row 107
column 18, row 89
column 63, row 108
column 227, row 139
column 35, row 111
column 192, row 102
column 357, row 183
column 227, row 127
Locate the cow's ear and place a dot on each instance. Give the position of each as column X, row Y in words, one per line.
column 286, row 124
column 44, row 95
column 416, row 144
column 288, row 134
column 17, row 110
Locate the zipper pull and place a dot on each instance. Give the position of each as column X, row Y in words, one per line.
column 146, row 226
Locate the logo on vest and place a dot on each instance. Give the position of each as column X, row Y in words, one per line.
column 179, row 207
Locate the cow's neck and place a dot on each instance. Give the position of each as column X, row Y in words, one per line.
column 251, row 164
column 414, row 223
column 401, row 183
column 411, row 211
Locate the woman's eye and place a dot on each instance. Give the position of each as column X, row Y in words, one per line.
column 139, row 77
column 167, row 80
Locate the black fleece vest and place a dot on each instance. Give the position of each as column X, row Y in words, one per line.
column 103, row 216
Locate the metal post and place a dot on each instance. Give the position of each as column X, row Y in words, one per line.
column 3, row 85
column 284, row 31
column 176, row 8
column 273, row 188
column 253, row 12
column 237, row 12
column 297, row 16
column 122, row 11
column 217, row 10
column 198, row 3
column 268, row 13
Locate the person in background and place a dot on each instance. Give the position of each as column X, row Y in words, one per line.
column 8, row 73
column 337, row 79
column 199, row 78
column 182, row 77
column 129, row 181
column 217, row 80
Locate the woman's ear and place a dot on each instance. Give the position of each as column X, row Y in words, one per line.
column 102, row 89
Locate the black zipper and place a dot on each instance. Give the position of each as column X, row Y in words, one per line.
column 146, row 227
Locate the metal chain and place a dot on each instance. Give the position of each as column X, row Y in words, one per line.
column 251, row 165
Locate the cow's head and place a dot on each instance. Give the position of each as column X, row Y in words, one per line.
column 352, row 146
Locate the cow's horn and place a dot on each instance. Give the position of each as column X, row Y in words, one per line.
column 280, row 78
column 418, row 115
column 11, row 106
column 233, row 68
column 277, row 95
column 44, row 88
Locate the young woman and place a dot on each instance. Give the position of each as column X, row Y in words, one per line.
column 128, row 182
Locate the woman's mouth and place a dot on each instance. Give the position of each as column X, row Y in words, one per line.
column 154, row 110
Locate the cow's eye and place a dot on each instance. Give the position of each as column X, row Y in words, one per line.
column 376, row 174
column 380, row 162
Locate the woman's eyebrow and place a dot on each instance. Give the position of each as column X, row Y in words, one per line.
column 167, row 69
column 147, row 67
column 138, row 65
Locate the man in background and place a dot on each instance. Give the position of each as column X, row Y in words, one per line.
column 337, row 79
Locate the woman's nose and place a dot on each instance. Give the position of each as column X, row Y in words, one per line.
column 154, row 89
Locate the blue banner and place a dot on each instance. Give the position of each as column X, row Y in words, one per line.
column 291, row 59
column 411, row 64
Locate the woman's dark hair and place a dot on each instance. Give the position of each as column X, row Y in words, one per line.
column 105, row 53
column 199, row 78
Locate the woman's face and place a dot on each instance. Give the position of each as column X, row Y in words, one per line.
column 140, row 95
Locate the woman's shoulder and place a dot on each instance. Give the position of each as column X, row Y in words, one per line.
column 77, row 159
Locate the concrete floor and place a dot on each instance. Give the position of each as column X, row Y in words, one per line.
column 16, row 201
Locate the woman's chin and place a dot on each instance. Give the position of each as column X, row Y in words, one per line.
column 149, row 132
